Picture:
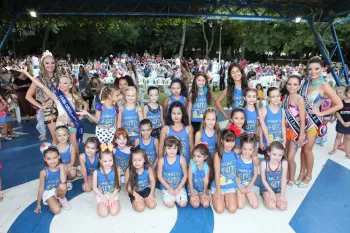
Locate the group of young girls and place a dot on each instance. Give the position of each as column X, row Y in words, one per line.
column 179, row 144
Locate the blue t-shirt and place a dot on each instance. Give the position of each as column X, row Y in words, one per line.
column 274, row 125
column 198, row 108
column 172, row 173
column 198, row 176
column 227, row 171
column 53, row 179
column 106, row 182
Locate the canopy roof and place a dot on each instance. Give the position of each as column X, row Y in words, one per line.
column 321, row 10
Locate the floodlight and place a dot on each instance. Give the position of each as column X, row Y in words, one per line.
column 33, row 14
column 298, row 19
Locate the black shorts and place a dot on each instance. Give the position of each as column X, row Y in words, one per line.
column 156, row 132
column 196, row 126
column 340, row 128
column 144, row 193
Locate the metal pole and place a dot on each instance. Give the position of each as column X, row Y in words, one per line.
column 220, row 44
column 324, row 52
column 9, row 30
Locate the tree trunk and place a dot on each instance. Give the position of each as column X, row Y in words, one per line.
column 161, row 52
column 182, row 39
column 14, row 45
column 246, row 37
column 46, row 36
column 213, row 29
column 301, row 56
column 206, row 41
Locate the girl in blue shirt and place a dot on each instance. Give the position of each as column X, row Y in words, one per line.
column 140, row 182
column 209, row 130
column 247, row 172
column 200, row 175
column 272, row 120
column 224, row 186
column 106, row 114
column 67, row 154
column 148, row 143
column 176, row 88
column 236, row 84
column 172, row 174
column 106, row 183
column 130, row 114
column 122, row 144
column 52, row 185
column 89, row 162
column 177, row 125
column 199, row 100
column 273, row 171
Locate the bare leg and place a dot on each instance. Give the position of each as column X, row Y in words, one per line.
column 231, row 202
column 52, row 126
column 291, row 163
column 309, row 158
column 337, row 142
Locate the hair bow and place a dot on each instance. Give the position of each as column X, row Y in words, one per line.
column 204, row 143
column 235, row 130
column 132, row 149
column 108, row 146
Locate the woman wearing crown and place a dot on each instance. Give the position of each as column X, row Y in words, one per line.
column 48, row 74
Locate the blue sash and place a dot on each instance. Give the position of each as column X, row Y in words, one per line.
column 70, row 112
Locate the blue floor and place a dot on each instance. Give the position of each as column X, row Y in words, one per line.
column 325, row 208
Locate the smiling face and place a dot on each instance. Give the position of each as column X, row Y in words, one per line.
column 48, row 64
column 210, row 120
column 274, row 97
column 153, row 95
column 62, row 136
column 315, row 70
column 121, row 141
column 52, row 159
column 247, row 150
column 200, row 81
column 228, row 144
column 275, row 155
column 90, row 149
column 293, row 85
column 115, row 96
column 65, row 84
column 130, row 96
column 236, row 74
column 238, row 119
column 106, row 160
column 138, row 160
column 251, row 97
column 171, row 150
column 198, row 157
column 146, row 131
column 123, row 84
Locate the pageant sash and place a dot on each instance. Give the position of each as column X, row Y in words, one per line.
column 70, row 112
column 317, row 121
column 293, row 123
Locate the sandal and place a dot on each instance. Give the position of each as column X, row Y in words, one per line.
column 289, row 187
column 1, row 196
column 304, row 185
column 7, row 138
column 14, row 136
column 297, row 182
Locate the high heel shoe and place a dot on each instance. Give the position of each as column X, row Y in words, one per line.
column 297, row 182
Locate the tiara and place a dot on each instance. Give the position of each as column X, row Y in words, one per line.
column 45, row 54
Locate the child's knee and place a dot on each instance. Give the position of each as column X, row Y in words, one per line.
column 115, row 211
column 241, row 205
column 270, row 205
column 56, row 210
column 231, row 209
column 205, row 203
column 182, row 204
column 195, row 204
column 170, row 204
column 62, row 187
column 254, row 204
column 152, row 205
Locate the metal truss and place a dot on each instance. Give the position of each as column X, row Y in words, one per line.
column 170, row 8
column 334, row 47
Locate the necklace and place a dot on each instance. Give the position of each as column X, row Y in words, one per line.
column 274, row 171
column 316, row 83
